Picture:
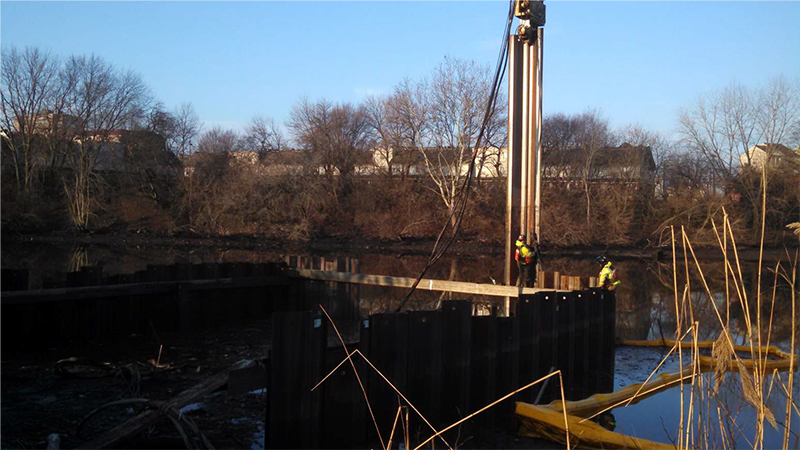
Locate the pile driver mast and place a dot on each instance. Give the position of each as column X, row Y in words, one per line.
column 524, row 156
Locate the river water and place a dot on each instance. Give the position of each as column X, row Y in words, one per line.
column 646, row 309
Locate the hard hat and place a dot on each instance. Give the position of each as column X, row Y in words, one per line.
column 602, row 259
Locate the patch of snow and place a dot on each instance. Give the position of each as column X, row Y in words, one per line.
column 193, row 407
column 258, row 439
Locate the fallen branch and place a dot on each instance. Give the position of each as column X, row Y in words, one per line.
column 149, row 417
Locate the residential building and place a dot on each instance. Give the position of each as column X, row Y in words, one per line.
column 46, row 122
column 133, row 151
column 490, row 162
column 626, row 164
column 776, row 156
column 284, row 162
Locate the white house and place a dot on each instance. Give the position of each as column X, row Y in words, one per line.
column 776, row 156
column 490, row 162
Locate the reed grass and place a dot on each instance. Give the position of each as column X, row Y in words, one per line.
column 700, row 430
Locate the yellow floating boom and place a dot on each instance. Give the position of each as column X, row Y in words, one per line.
column 547, row 421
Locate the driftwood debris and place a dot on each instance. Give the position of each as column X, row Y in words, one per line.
column 131, row 427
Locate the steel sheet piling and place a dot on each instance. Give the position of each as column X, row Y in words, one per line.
column 530, row 328
column 425, row 365
column 507, row 378
column 484, row 372
column 388, row 351
column 297, row 363
column 457, row 334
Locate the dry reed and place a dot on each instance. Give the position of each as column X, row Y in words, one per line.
column 723, row 350
column 697, row 430
column 437, row 433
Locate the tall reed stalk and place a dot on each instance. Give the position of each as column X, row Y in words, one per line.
column 698, row 429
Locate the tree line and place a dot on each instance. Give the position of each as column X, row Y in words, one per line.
column 87, row 146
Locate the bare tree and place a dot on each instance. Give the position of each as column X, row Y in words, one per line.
column 186, row 128
column 63, row 129
column 724, row 126
column 558, row 132
column 386, row 131
column 263, row 135
column 27, row 93
column 721, row 127
column 408, row 111
column 337, row 136
column 149, row 164
column 691, row 197
column 454, row 105
column 219, row 140
column 591, row 136
column 661, row 146
column 689, row 171
column 778, row 114
column 794, row 135
column 103, row 101
column 158, row 121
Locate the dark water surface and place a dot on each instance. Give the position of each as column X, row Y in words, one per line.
column 658, row 418
column 645, row 301
column 646, row 304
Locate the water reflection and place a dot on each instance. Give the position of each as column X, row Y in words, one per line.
column 658, row 417
column 645, row 301
column 79, row 258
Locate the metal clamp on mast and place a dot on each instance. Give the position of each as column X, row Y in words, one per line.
column 531, row 15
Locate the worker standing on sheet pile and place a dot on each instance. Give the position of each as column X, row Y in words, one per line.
column 608, row 275
column 526, row 258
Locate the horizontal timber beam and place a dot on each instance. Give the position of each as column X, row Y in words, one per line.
column 461, row 287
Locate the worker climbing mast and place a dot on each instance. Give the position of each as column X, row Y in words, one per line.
column 524, row 162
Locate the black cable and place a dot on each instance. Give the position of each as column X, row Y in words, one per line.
column 460, row 205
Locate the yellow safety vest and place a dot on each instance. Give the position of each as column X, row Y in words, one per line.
column 608, row 277
column 523, row 254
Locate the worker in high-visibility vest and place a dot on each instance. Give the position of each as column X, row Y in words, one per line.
column 526, row 258
column 608, row 278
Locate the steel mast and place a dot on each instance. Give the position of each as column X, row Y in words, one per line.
column 524, row 154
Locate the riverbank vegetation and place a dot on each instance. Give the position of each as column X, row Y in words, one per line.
column 87, row 147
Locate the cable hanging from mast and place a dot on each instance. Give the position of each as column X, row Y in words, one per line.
column 460, row 205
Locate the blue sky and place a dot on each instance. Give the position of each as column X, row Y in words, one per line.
column 635, row 61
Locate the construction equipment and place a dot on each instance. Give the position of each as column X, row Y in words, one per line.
column 523, row 165
column 531, row 15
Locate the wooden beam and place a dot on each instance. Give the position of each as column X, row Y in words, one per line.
column 461, row 287
column 124, row 290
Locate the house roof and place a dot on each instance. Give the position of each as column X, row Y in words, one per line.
column 777, row 148
column 301, row 157
column 286, row 158
column 624, row 155
column 413, row 155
